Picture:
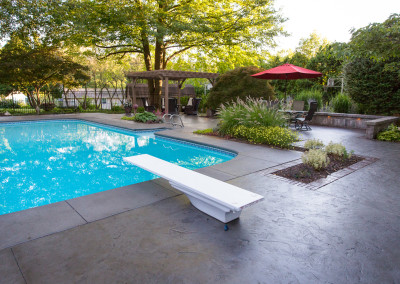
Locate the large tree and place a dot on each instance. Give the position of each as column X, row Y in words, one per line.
column 157, row 29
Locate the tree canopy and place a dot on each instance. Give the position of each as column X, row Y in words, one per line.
column 379, row 41
column 31, row 68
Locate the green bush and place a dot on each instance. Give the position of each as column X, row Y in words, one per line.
column 276, row 136
column 309, row 95
column 338, row 150
column 251, row 112
column 392, row 133
column 316, row 158
column 184, row 100
column 374, row 89
column 238, row 83
column 204, row 131
column 145, row 117
column 314, row 144
column 140, row 109
column 117, row 108
column 130, row 118
column 341, row 103
column 9, row 104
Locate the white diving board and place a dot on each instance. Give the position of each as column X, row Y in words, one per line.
column 216, row 198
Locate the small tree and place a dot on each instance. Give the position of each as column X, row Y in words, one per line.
column 30, row 68
column 238, row 83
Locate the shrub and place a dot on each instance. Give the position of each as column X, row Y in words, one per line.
column 374, row 89
column 140, row 110
column 251, row 112
column 313, row 144
column 309, row 95
column 338, row 150
column 341, row 103
column 9, row 104
column 276, row 136
column 392, row 133
column 117, row 108
column 316, row 158
column 145, row 117
column 130, row 118
column 204, row 131
column 238, row 83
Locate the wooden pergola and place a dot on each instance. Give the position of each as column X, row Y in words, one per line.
column 165, row 76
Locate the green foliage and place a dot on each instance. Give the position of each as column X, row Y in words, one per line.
column 316, row 158
column 375, row 90
column 275, row 135
column 313, row 144
column 238, row 84
column 130, row 118
column 117, row 108
column 379, row 42
column 34, row 68
column 9, row 104
column 338, row 150
column 184, row 100
column 140, row 110
column 341, row 103
column 204, row 131
column 145, row 117
column 251, row 112
column 309, row 95
column 392, row 133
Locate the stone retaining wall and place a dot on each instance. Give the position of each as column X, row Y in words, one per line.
column 373, row 124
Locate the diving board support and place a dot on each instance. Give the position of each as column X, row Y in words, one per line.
column 216, row 198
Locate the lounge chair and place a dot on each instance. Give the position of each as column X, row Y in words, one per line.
column 193, row 106
column 216, row 198
column 301, row 122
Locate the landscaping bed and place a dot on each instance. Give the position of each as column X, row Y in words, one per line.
column 306, row 174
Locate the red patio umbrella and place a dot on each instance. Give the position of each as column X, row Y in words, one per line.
column 287, row 72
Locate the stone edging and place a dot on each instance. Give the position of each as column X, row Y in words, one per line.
column 320, row 182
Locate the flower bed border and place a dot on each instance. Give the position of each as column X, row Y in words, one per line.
column 319, row 182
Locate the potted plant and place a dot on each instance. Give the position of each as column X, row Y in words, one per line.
column 128, row 108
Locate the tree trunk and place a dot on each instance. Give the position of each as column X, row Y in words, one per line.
column 65, row 96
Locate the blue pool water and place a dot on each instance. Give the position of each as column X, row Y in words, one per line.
column 46, row 162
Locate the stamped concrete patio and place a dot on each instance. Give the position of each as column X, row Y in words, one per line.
column 345, row 232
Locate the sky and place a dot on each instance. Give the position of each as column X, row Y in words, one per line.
column 330, row 19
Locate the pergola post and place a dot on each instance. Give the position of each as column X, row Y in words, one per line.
column 180, row 84
column 133, row 91
column 166, row 102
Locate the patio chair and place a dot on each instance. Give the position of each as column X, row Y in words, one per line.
column 148, row 107
column 193, row 106
column 303, row 121
column 296, row 106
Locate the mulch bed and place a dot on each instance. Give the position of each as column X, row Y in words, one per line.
column 307, row 174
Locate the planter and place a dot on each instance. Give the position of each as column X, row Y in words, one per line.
column 128, row 110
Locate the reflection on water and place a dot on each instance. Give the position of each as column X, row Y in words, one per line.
column 42, row 163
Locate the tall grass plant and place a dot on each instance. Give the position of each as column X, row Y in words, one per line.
column 308, row 96
column 250, row 113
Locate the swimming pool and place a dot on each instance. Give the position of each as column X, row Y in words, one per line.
column 49, row 161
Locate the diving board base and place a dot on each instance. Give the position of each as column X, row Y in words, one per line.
column 214, row 209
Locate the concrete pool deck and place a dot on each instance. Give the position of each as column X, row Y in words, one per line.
column 345, row 232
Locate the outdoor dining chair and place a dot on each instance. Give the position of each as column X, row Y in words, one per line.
column 302, row 122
